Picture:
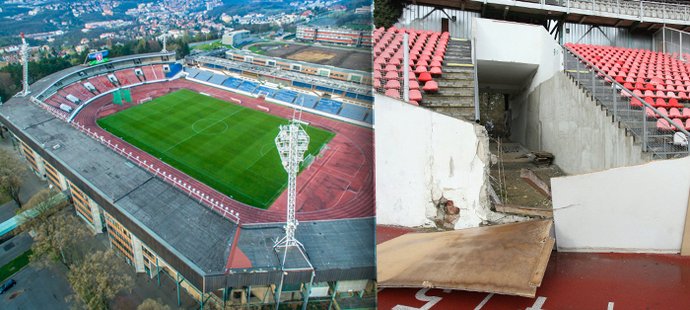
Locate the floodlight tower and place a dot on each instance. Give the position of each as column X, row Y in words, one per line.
column 165, row 39
column 292, row 142
column 24, row 51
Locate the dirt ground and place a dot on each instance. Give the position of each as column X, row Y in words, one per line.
column 337, row 57
column 514, row 189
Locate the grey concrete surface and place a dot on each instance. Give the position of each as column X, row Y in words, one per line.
column 560, row 118
column 38, row 289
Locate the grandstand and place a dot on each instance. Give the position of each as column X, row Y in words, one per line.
column 309, row 101
column 165, row 222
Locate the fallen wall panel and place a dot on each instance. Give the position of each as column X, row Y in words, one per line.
column 506, row 259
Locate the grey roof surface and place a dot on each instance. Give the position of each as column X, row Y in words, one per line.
column 337, row 244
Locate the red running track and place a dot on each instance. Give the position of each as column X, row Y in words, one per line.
column 339, row 184
column 572, row 281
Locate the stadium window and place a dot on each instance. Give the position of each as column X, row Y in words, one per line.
column 270, row 63
column 297, row 67
column 324, row 72
column 248, row 59
column 356, row 78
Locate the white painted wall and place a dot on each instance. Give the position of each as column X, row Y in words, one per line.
column 630, row 209
column 510, row 42
column 422, row 155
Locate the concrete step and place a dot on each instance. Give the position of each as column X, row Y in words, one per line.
column 461, row 101
column 458, row 73
column 456, row 83
column 453, row 92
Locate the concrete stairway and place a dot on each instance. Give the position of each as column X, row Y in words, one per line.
column 456, row 86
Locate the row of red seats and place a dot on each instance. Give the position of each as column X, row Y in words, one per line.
column 427, row 52
column 664, row 126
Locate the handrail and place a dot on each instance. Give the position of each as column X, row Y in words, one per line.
column 618, row 85
column 642, row 7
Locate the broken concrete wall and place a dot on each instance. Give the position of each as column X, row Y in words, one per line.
column 631, row 209
column 423, row 157
column 560, row 118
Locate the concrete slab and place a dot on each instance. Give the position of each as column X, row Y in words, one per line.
column 507, row 259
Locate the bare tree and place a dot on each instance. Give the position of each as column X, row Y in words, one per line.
column 56, row 235
column 98, row 278
column 12, row 171
column 153, row 304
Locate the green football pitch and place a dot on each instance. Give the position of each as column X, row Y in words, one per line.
column 223, row 145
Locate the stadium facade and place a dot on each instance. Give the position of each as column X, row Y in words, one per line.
column 162, row 230
column 336, row 36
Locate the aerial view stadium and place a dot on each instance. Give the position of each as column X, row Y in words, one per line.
column 543, row 161
column 181, row 164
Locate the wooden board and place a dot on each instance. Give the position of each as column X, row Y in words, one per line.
column 505, row 259
column 685, row 246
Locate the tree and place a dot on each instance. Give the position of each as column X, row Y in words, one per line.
column 98, row 278
column 387, row 12
column 153, row 304
column 12, row 171
column 56, row 236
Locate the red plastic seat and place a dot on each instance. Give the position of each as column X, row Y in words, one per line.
column 674, row 113
column 663, row 125
column 424, row 77
column 393, row 93
column 413, row 84
column 415, row 95
column 687, row 124
column 660, row 103
column 635, row 103
column 430, row 87
column 392, row 84
column 686, row 113
column 673, row 102
column 678, row 122
column 435, row 71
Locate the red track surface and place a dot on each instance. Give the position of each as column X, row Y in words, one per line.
column 572, row 281
column 338, row 185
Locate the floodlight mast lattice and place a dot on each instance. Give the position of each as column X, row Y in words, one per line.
column 292, row 142
column 24, row 51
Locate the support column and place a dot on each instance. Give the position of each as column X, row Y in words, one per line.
column 63, row 182
column 96, row 216
column 177, row 283
column 137, row 253
column 41, row 166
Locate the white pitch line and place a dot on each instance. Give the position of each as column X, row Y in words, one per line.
column 537, row 303
column 610, row 306
column 486, row 299
column 421, row 296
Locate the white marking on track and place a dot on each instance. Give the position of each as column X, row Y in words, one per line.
column 537, row 303
column 446, row 291
column 483, row 303
column 421, row 296
column 610, row 306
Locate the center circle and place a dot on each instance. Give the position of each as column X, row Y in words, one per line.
column 209, row 126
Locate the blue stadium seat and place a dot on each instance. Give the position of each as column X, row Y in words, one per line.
column 307, row 101
column 218, row 79
column 354, row 112
column 247, row 86
column 285, row 95
column 174, row 69
column 232, row 82
column 203, row 75
column 192, row 71
column 265, row 90
column 329, row 106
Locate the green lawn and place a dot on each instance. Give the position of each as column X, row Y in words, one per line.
column 14, row 266
column 226, row 146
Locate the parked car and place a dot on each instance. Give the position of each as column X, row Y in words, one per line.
column 7, row 286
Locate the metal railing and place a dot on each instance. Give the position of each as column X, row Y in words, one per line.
column 606, row 91
column 637, row 9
